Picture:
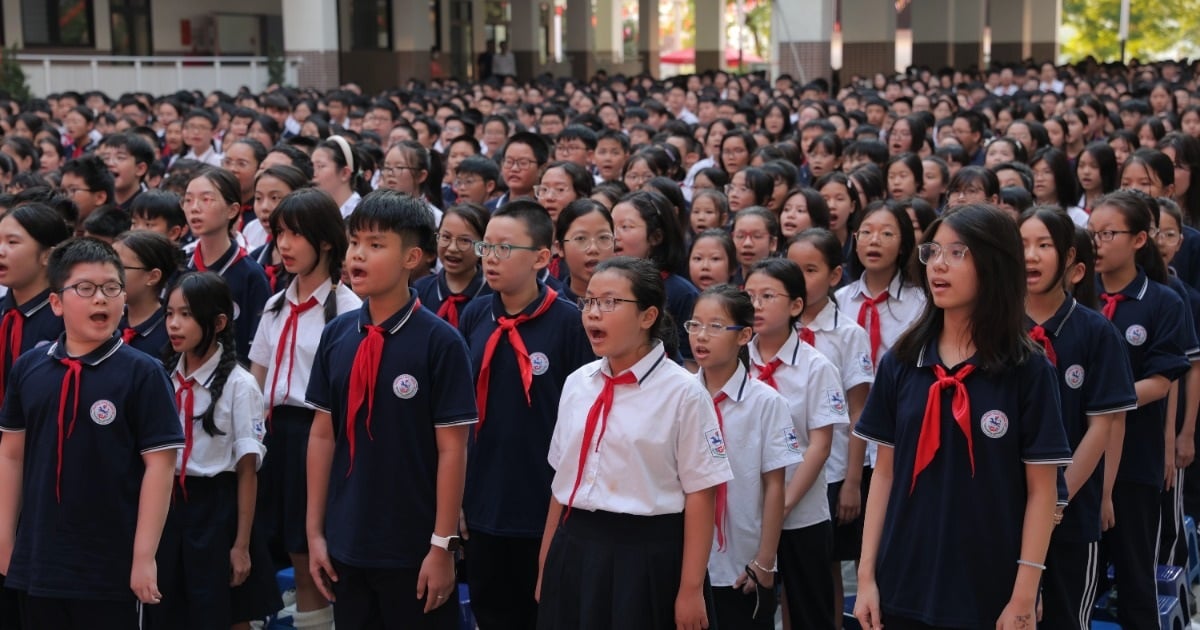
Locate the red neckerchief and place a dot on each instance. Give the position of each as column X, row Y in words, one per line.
column 449, row 308
column 597, row 415
column 12, row 329
column 290, row 325
column 722, row 499
column 185, row 400
column 198, row 258
column 766, row 373
column 1111, row 300
column 508, row 325
column 930, row 438
column 74, row 373
column 807, row 336
column 1038, row 334
column 870, row 309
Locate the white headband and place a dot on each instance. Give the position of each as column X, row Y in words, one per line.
column 346, row 152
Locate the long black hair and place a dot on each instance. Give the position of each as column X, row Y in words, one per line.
column 648, row 290
column 315, row 217
column 208, row 298
column 1062, row 234
column 739, row 306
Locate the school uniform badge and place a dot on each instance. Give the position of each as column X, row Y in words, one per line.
column 836, row 399
column 865, row 365
column 1074, row 376
column 716, row 443
column 540, row 363
column 405, row 386
column 994, row 424
column 791, row 441
column 1135, row 335
column 103, row 412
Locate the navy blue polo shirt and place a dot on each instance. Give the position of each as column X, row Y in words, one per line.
column 949, row 550
column 1152, row 322
column 681, row 300
column 248, row 283
column 508, row 478
column 1187, row 260
column 1191, row 346
column 41, row 325
column 433, row 290
column 382, row 514
column 1193, row 305
column 1094, row 378
column 82, row 546
column 151, row 336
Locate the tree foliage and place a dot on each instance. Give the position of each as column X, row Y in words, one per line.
column 1158, row 29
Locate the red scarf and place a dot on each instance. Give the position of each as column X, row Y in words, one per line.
column 722, row 500
column 508, row 325
column 766, row 373
column 363, row 376
column 128, row 334
column 1038, row 334
column 290, row 325
column 598, row 414
column 74, row 373
column 1111, row 300
column 198, row 259
column 11, row 332
column 806, row 335
column 185, row 400
column 449, row 308
column 930, row 438
column 870, row 309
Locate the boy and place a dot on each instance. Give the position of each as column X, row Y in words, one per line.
column 199, row 131
column 521, row 164
column 475, row 181
column 91, row 492
column 88, row 183
column 525, row 340
column 612, row 149
column 159, row 211
column 576, row 144
column 106, row 223
column 128, row 160
column 387, row 454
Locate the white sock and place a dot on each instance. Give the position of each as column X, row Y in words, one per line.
column 314, row 619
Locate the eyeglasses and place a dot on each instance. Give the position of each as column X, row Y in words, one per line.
column 952, row 254
column 1106, row 236
column 605, row 304
column 74, row 191
column 460, row 184
column 243, row 164
column 201, row 201
column 86, row 289
column 520, row 165
column 966, row 192
column 569, row 148
column 546, row 191
column 1169, row 237
column 867, row 235
column 694, row 327
column 764, row 298
column 462, row 243
column 502, row 250
column 754, row 236
column 603, row 242
column 730, row 188
column 198, row 128
column 389, row 169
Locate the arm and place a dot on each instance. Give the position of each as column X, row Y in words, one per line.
column 1185, row 444
column 12, row 468
column 1151, row 389
column 866, row 609
column 1091, row 449
column 153, row 504
column 819, row 442
column 772, row 526
column 436, row 578
column 553, row 515
column 247, row 493
column 699, row 513
column 850, row 499
column 319, row 462
column 1112, row 463
column 1169, row 437
column 259, row 372
column 1040, row 480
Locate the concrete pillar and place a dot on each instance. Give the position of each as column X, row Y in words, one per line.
column 648, row 36
column 524, row 31
column 310, row 33
column 1011, row 26
column 868, row 37
column 609, row 32
column 413, row 36
column 1043, row 45
column 710, row 34
column 801, row 30
column 12, row 24
column 579, row 38
column 947, row 33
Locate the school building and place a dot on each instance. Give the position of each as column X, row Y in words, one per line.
column 163, row 45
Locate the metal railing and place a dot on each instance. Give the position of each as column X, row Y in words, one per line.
column 47, row 74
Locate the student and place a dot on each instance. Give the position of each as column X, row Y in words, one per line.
column 475, row 181
column 1095, row 389
column 713, row 260
column 129, row 160
column 757, row 428
column 217, row 475
column 524, row 342
column 817, row 402
column 1096, row 171
column 824, row 156
column 966, row 417
column 803, row 208
column 199, row 137
column 577, row 143
column 748, row 187
column 88, row 183
column 107, row 473
column 755, row 231
column 150, row 261
column 972, row 185
column 410, row 168
column 521, row 159
column 884, row 300
column 242, row 158
column 612, row 151
column 308, row 232
column 159, row 211
column 585, row 231
column 710, row 210
column 1054, row 184
column 844, row 205
column 337, row 170
column 105, row 223
column 905, row 176
column 460, row 279
column 393, row 490
column 560, row 184
column 936, row 178
column 271, row 186
column 213, row 207
column 638, row 455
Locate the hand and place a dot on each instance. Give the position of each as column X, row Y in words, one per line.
column 746, row 585
column 866, row 606
column 321, row 567
column 849, row 502
column 690, row 612
column 1107, row 515
column 1018, row 616
column 143, row 580
column 435, row 583
column 1169, row 471
column 1185, row 451
column 239, row 562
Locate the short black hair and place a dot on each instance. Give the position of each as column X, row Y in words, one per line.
column 93, row 172
column 107, row 222
column 136, row 145
column 158, row 204
column 393, row 211
column 80, row 251
column 481, row 166
column 537, row 221
column 581, row 133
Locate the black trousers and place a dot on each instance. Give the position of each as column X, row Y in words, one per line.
column 804, row 558
column 1132, row 545
column 385, row 599
column 79, row 614
column 1069, row 584
column 502, row 575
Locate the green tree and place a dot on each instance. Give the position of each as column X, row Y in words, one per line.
column 1157, row 29
column 12, row 77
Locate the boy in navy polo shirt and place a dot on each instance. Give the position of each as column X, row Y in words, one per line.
column 525, row 340
column 387, row 454
column 87, row 459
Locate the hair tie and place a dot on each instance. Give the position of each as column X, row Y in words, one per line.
column 346, row 152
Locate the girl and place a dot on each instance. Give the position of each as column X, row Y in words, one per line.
column 1149, row 132
column 586, row 229
column 270, row 187
column 937, row 176
column 1096, row 171
column 803, row 208
column 337, row 171
column 217, row 483
column 646, row 164
column 976, row 513
column 459, row 280
column 631, row 411
column 1054, row 184
column 1123, row 144
column 907, row 135
column 151, row 261
column 748, row 187
column 884, row 298
column 905, row 175
column 308, row 231
column 1077, row 124
column 1095, row 390
column 1184, row 153
column 847, row 346
column 51, row 156
column 712, row 259
column 711, row 178
column 922, row 216
column 709, row 210
column 1000, row 150
column 811, row 385
column 737, row 145
column 212, row 205
column 843, row 203
column 756, row 234
column 824, row 155
column 242, row 159
column 972, row 185
column 562, row 183
column 756, row 424
column 1151, row 317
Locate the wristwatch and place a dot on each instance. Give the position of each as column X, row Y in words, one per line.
column 449, row 543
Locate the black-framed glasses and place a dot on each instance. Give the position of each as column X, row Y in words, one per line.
column 1106, row 236
column 502, row 250
column 694, row 327
column 606, row 304
column 87, row 289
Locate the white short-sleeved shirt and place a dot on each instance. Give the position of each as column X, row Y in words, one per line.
column 903, row 306
column 351, row 203
column 813, row 390
column 662, row 440
column 210, row 157
column 760, row 438
column 848, row 347
column 239, row 415
column 308, row 334
column 254, row 234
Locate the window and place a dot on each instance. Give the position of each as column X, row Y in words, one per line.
column 371, row 25
column 57, row 22
column 130, row 27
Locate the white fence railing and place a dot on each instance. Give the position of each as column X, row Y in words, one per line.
column 115, row 75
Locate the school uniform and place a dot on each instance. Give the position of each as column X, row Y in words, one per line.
column 616, row 558
column 73, row 552
column 381, row 505
column 848, row 347
column 286, row 346
column 759, row 438
column 1094, row 378
column 247, row 282
column 1172, row 544
column 149, row 336
column 1187, row 260
column 351, row 203
column 508, row 480
column 24, row 327
column 277, row 275
column 952, row 531
column 193, row 557
column 1150, row 317
column 681, row 300
column 210, row 157
column 436, row 295
column 252, row 229
column 813, row 389
column 885, row 316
